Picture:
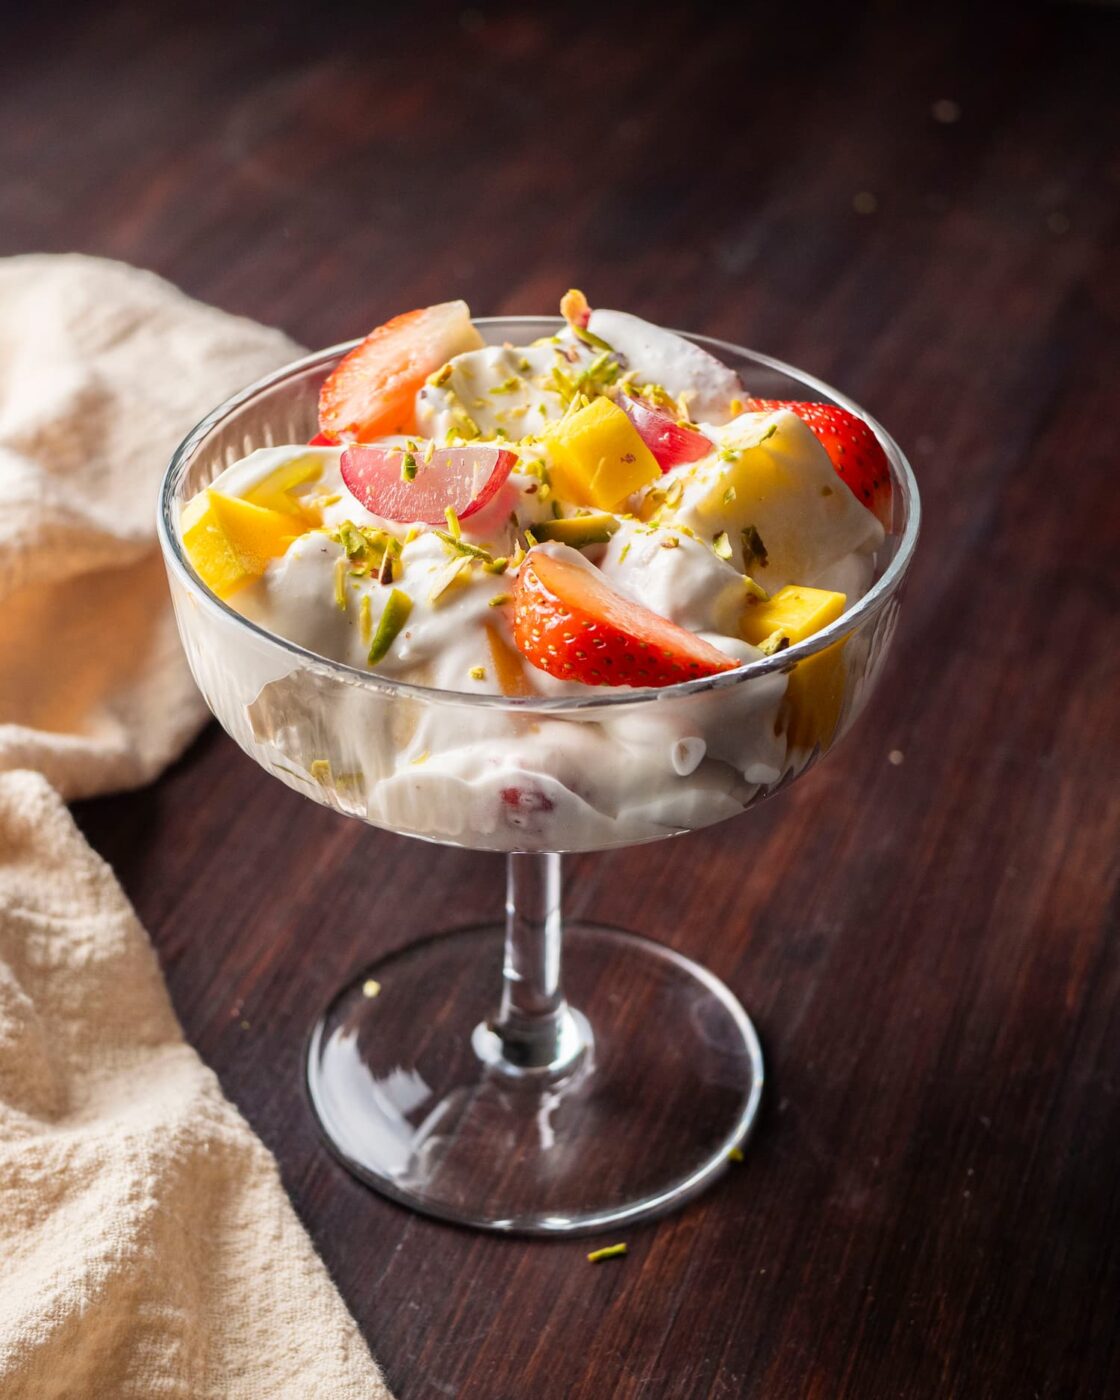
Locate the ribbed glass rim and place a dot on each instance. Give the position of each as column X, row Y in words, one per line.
column 860, row 612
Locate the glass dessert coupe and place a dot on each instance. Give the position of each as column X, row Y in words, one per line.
column 461, row 1074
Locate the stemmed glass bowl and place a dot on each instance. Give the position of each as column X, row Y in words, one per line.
column 462, row 1074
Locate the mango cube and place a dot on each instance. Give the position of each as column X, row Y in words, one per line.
column 793, row 611
column 598, row 459
column 230, row 541
column 815, row 692
column 273, row 492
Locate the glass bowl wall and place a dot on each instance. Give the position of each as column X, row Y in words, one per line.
column 532, row 775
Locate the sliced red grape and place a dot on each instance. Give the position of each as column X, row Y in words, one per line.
column 663, row 435
column 462, row 478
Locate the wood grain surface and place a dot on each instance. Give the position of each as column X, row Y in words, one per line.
column 921, row 204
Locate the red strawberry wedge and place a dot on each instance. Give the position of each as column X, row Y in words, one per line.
column 854, row 449
column 568, row 621
column 372, row 390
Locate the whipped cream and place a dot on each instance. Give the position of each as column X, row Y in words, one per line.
column 494, row 776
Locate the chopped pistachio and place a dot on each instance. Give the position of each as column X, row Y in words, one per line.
column 670, row 542
column 478, row 673
column 429, row 450
column 499, row 600
column 340, row 583
column 365, row 620
column 612, row 1251
column 508, row 386
column 441, row 376
column 371, row 987
column 408, row 467
column 598, row 368
column 496, row 566
column 579, row 530
column 735, row 1155
column 352, row 540
column 393, row 618
column 736, row 407
column 590, row 338
column 775, row 642
column 722, row 545
column 320, row 770
column 729, row 495
column 754, row 551
column 757, row 593
column 464, row 547
column 453, row 522
column 560, row 383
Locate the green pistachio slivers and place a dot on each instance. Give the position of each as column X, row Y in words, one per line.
column 590, row 338
column 775, row 642
column 393, row 618
column 578, row 530
column 756, row 590
column 754, row 551
column 461, row 546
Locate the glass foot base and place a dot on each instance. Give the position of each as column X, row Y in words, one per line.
column 664, row 1081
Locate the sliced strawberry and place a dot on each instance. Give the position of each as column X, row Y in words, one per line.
column 568, row 621
column 854, row 449
column 663, row 435
column 372, row 391
column 462, row 479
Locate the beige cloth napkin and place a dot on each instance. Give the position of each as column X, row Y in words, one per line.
column 148, row 1248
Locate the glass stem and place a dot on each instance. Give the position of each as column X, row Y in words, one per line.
column 534, row 1025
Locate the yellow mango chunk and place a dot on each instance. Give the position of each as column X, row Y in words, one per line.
column 273, row 492
column 598, row 458
column 230, row 541
column 815, row 692
column 793, row 611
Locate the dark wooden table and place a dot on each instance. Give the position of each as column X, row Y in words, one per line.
column 922, row 208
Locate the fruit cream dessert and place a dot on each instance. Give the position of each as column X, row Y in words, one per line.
column 604, row 508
